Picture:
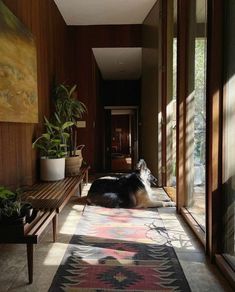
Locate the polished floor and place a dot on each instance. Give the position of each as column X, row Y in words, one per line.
column 121, row 163
column 201, row 275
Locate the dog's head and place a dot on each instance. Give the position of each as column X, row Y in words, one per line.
column 145, row 173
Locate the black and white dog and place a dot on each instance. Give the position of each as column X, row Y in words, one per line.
column 128, row 191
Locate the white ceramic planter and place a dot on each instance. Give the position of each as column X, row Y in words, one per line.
column 52, row 169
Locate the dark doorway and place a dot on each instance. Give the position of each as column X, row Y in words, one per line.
column 121, row 140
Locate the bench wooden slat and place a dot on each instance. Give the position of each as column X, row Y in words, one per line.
column 38, row 223
column 56, row 191
column 44, row 190
column 49, row 195
column 65, row 200
column 45, row 221
column 52, row 200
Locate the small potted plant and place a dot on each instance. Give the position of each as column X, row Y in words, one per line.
column 53, row 147
column 10, row 213
column 12, row 210
column 70, row 109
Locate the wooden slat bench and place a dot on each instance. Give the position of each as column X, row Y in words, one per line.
column 49, row 198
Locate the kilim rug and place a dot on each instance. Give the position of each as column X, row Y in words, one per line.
column 120, row 250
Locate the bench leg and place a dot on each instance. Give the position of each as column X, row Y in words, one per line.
column 30, row 261
column 87, row 177
column 83, row 210
column 55, row 225
column 80, row 189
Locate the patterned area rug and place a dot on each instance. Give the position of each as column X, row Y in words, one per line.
column 120, row 250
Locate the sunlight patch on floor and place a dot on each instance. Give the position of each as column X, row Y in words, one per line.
column 68, row 226
column 55, row 254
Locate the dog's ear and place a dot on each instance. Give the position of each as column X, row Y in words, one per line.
column 141, row 165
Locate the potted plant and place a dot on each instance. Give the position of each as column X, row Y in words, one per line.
column 12, row 210
column 53, row 147
column 70, row 109
column 10, row 213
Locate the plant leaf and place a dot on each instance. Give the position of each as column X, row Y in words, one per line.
column 72, row 90
column 67, row 125
column 46, row 136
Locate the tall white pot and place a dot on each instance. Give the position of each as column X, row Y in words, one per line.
column 52, row 169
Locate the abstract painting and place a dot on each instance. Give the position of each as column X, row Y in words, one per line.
column 18, row 70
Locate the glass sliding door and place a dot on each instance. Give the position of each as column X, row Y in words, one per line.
column 171, row 94
column 229, row 135
column 196, row 111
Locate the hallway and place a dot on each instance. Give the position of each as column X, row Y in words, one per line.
column 201, row 275
column 152, row 66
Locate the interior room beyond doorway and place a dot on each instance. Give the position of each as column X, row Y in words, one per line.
column 121, row 129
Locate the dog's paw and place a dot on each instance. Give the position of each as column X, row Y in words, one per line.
column 169, row 204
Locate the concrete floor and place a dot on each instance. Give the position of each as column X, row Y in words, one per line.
column 201, row 275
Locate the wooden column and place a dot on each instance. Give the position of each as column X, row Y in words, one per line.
column 214, row 127
column 185, row 101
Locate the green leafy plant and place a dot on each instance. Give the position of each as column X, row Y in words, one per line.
column 10, row 209
column 69, row 109
column 13, row 210
column 6, row 194
column 53, row 143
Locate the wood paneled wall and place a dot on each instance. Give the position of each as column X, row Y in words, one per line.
column 18, row 163
column 99, row 125
column 63, row 54
column 85, row 38
column 150, row 90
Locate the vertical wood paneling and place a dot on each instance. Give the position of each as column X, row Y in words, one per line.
column 151, row 86
column 18, row 164
column 63, row 54
column 86, row 38
column 99, row 126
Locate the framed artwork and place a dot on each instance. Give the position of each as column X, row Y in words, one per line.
column 18, row 70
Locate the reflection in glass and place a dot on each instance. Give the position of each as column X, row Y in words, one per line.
column 171, row 96
column 196, row 112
